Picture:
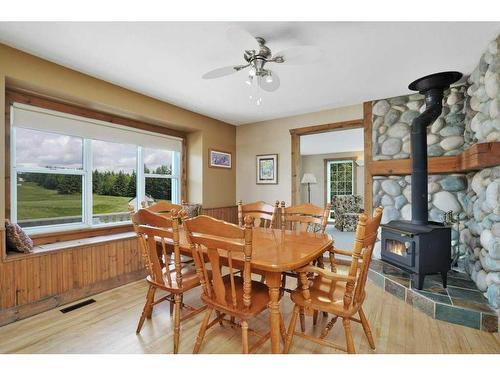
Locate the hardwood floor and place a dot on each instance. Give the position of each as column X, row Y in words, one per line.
column 108, row 326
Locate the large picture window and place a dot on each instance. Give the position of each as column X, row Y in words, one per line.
column 64, row 181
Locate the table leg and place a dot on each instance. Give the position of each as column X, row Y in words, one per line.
column 273, row 281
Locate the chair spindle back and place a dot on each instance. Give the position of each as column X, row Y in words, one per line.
column 366, row 235
column 265, row 215
column 155, row 230
column 207, row 237
column 305, row 217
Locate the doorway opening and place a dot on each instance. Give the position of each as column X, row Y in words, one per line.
column 329, row 169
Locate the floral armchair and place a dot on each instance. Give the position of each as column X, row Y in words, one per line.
column 346, row 210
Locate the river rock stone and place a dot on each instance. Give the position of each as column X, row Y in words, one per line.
column 398, row 100
column 432, row 138
column 398, row 130
column 392, row 146
column 493, row 194
column 414, row 105
column 451, row 143
column 409, row 116
column 400, row 201
column 390, row 213
column 449, row 131
column 453, row 183
column 435, row 150
column 391, row 187
column 494, row 108
column 433, row 187
column 381, row 108
column 392, row 117
column 406, row 212
column 491, row 84
column 386, row 200
column 446, row 201
column 437, row 125
column 406, row 147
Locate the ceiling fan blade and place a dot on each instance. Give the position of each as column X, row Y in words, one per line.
column 270, row 86
column 221, row 72
column 300, row 55
column 242, row 38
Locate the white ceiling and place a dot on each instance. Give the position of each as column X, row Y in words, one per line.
column 332, row 142
column 165, row 60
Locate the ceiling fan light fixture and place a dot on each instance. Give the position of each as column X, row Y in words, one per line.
column 251, row 72
column 269, row 78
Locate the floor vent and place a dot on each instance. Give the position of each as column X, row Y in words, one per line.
column 77, row 306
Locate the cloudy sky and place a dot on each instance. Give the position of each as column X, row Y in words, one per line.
column 40, row 149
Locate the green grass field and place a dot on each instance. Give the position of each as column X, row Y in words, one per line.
column 35, row 202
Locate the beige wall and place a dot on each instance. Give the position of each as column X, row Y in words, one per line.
column 273, row 137
column 22, row 70
column 315, row 164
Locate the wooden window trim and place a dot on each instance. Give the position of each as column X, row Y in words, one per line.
column 12, row 95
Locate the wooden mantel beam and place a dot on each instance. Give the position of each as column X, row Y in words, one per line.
column 478, row 156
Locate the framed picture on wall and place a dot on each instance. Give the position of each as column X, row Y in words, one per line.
column 220, row 159
column 267, row 169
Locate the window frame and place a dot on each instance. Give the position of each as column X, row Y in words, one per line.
column 86, row 173
column 328, row 189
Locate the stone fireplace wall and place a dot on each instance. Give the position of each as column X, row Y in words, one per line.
column 392, row 119
column 471, row 114
column 481, row 238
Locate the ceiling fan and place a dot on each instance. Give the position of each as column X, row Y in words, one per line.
column 257, row 54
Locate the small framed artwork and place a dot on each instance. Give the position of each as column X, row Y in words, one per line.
column 267, row 169
column 219, row 159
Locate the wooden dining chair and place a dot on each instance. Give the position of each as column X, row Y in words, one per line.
column 264, row 214
column 304, row 218
column 155, row 233
column 340, row 295
column 214, row 243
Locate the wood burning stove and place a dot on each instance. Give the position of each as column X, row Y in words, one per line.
column 418, row 249
column 419, row 246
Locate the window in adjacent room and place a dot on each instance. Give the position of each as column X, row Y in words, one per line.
column 340, row 178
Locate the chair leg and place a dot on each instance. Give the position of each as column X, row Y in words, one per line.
column 171, row 307
column 221, row 323
column 244, row 336
column 315, row 317
column 147, row 307
column 203, row 329
column 282, row 329
column 302, row 320
column 149, row 312
column 366, row 328
column 348, row 335
column 291, row 329
column 177, row 322
column 333, row 267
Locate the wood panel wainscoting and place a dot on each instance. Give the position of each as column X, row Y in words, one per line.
column 229, row 214
column 33, row 283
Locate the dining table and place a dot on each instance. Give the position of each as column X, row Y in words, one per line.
column 275, row 251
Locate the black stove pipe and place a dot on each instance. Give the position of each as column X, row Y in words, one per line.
column 419, row 191
column 432, row 87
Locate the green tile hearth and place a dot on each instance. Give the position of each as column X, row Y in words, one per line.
column 460, row 303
